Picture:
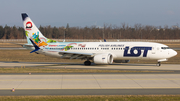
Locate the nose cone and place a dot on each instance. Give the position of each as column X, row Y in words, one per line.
column 173, row 53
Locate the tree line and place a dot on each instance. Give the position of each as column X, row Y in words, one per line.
column 108, row 31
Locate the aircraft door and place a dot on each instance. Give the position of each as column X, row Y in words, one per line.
column 154, row 50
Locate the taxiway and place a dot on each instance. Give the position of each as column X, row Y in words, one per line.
column 98, row 83
column 171, row 68
column 91, row 83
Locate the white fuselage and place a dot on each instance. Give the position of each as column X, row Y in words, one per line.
column 119, row 50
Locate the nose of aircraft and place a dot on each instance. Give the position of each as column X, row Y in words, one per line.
column 173, row 53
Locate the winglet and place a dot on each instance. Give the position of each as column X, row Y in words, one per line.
column 35, row 46
column 24, row 16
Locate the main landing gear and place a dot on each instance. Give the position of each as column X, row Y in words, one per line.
column 87, row 63
column 158, row 64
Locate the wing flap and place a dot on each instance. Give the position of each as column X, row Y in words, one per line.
column 73, row 55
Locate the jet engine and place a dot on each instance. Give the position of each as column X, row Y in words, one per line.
column 105, row 58
column 121, row 61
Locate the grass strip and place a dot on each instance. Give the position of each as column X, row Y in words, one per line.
column 49, row 70
column 93, row 98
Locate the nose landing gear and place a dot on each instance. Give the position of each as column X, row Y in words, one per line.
column 158, row 64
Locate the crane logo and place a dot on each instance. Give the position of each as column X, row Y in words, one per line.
column 28, row 25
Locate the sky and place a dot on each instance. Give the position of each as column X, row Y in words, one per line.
column 81, row 13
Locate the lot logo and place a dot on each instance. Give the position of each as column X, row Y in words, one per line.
column 136, row 51
column 28, row 25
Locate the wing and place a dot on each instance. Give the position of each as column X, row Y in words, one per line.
column 73, row 55
column 15, row 43
column 27, row 45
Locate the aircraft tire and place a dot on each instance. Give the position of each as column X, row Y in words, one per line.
column 158, row 64
column 87, row 63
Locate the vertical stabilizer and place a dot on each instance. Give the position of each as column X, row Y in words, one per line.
column 33, row 32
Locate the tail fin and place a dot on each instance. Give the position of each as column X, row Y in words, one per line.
column 33, row 32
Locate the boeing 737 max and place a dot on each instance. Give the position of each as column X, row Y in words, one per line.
column 97, row 52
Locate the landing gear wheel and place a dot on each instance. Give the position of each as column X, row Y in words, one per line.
column 87, row 63
column 159, row 64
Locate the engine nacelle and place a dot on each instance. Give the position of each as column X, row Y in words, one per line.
column 121, row 61
column 104, row 58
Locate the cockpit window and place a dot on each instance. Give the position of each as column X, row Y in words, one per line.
column 165, row 48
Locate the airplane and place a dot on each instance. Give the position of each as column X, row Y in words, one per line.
column 94, row 52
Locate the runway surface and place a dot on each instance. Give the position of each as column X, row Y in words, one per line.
column 172, row 68
column 165, row 80
column 116, row 84
column 37, row 92
column 90, row 81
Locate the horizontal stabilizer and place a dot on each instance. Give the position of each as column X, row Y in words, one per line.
column 35, row 46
